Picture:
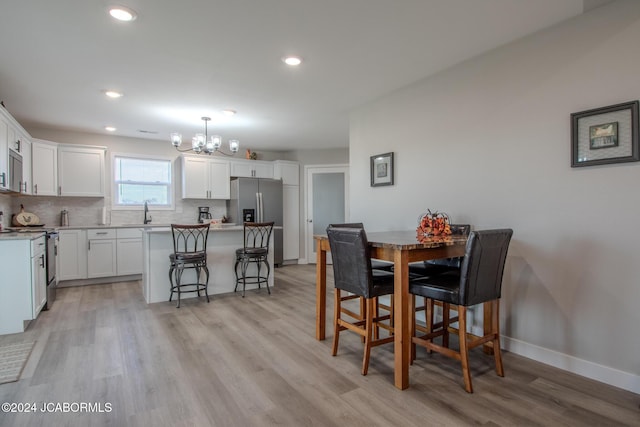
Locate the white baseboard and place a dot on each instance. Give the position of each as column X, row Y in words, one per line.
column 594, row 371
column 302, row 261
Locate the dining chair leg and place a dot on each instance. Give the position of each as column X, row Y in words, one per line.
column 363, row 313
column 429, row 306
column 367, row 338
column 445, row 325
column 391, row 314
column 376, row 314
column 412, row 327
column 464, row 349
column 495, row 330
column 336, row 317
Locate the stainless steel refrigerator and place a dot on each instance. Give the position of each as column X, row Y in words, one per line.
column 258, row 200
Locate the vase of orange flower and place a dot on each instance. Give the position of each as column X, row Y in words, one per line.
column 433, row 224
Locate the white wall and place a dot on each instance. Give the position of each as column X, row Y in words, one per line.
column 488, row 141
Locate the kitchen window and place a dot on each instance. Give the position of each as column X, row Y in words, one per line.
column 140, row 179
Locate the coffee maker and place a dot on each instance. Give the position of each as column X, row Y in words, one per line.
column 203, row 214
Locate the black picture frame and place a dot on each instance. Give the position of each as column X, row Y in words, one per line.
column 382, row 169
column 605, row 135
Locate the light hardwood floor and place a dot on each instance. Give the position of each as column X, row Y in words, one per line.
column 255, row 362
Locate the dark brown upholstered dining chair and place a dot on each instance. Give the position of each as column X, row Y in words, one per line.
column 189, row 252
column 433, row 267
column 479, row 280
column 353, row 273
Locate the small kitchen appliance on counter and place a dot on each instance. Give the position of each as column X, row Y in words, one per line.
column 203, row 214
column 64, row 218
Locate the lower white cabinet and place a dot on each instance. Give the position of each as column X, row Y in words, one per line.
column 38, row 276
column 23, row 285
column 101, row 253
column 129, row 251
column 72, row 255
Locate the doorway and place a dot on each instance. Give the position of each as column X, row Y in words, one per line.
column 327, row 196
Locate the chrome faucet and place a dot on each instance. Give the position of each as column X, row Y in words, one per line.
column 146, row 211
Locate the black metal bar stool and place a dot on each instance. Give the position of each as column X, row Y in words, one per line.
column 189, row 252
column 256, row 250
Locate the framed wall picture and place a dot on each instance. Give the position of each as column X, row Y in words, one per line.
column 382, row 170
column 605, row 135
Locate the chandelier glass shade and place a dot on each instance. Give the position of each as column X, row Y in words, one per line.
column 202, row 143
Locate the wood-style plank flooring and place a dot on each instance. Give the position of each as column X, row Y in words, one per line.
column 255, row 362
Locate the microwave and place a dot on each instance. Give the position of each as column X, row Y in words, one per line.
column 15, row 172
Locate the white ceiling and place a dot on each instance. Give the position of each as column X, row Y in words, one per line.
column 181, row 60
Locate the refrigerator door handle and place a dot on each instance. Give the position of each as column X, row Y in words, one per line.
column 261, row 209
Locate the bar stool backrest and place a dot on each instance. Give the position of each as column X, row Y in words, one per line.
column 190, row 239
column 257, row 234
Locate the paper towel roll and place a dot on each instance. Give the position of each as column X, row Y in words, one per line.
column 104, row 216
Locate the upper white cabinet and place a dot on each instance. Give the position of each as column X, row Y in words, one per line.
column 288, row 172
column 205, row 178
column 81, row 171
column 44, row 156
column 4, row 154
column 27, row 180
column 251, row 169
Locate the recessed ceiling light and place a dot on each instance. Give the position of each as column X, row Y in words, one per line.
column 110, row 129
column 122, row 13
column 229, row 112
column 113, row 94
column 292, row 60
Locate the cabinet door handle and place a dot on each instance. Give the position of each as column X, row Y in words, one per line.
column 35, row 188
column 42, row 261
column 101, row 232
column 89, row 246
column 59, row 190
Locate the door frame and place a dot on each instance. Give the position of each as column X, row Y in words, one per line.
column 309, row 170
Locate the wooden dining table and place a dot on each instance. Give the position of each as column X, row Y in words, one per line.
column 401, row 248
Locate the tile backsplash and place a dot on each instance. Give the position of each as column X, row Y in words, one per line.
column 86, row 211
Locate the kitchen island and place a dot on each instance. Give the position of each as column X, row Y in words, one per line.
column 157, row 244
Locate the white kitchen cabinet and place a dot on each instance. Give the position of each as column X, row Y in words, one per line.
column 72, row 255
column 101, row 253
column 27, row 180
column 251, row 169
column 38, row 276
column 4, row 152
column 205, row 178
column 129, row 251
column 23, row 284
column 288, row 172
column 81, row 171
column 290, row 222
column 44, row 173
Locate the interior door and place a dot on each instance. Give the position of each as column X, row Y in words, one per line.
column 327, row 202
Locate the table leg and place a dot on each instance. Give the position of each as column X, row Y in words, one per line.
column 321, row 291
column 487, row 324
column 402, row 316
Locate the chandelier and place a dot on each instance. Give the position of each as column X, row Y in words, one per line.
column 201, row 143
